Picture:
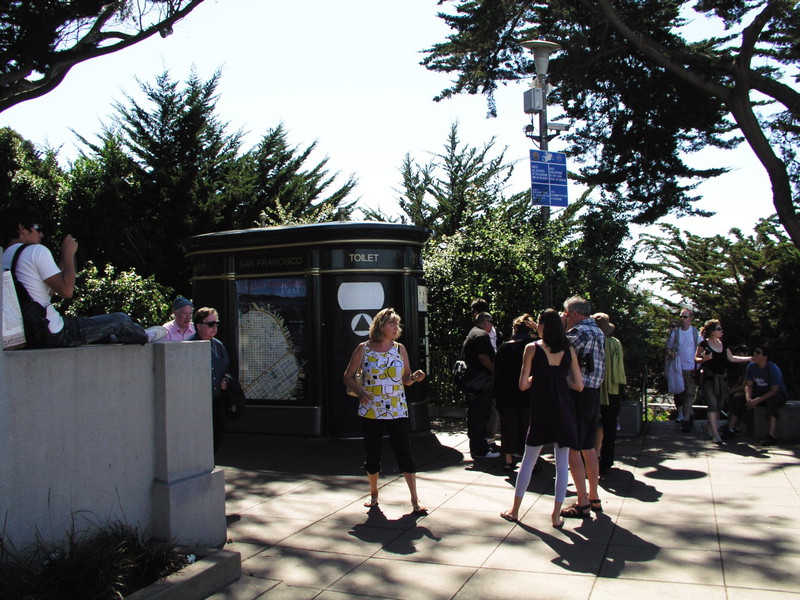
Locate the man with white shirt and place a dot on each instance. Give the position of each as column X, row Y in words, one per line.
column 36, row 270
column 685, row 340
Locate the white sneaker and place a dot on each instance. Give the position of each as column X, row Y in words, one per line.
column 489, row 454
column 155, row 334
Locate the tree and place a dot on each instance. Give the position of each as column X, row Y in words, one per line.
column 28, row 174
column 273, row 179
column 645, row 93
column 749, row 282
column 158, row 176
column 456, row 187
column 41, row 41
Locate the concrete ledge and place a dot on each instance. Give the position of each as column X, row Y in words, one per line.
column 788, row 428
column 196, row 581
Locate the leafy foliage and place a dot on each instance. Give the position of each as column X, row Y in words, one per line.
column 101, row 292
column 41, row 41
column 28, row 174
column 748, row 282
column 273, row 179
column 646, row 89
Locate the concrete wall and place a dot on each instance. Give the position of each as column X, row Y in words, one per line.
column 107, row 432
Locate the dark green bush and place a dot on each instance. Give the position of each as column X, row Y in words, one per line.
column 102, row 563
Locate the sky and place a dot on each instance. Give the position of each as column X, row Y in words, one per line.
column 347, row 75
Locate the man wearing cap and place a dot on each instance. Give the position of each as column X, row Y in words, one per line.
column 181, row 327
column 610, row 398
column 478, row 353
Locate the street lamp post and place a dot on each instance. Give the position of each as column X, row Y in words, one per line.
column 536, row 102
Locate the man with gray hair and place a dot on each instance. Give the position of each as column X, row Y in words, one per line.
column 589, row 343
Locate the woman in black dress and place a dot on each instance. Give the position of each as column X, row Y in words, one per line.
column 549, row 369
column 512, row 403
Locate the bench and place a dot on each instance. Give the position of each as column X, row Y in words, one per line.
column 788, row 428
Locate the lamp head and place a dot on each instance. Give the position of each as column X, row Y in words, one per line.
column 541, row 53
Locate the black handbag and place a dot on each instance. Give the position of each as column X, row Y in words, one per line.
column 34, row 315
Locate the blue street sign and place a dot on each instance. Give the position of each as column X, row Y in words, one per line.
column 548, row 178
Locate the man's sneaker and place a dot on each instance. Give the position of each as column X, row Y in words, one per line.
column 155, row 333
column 767, row 441
column 489, row 454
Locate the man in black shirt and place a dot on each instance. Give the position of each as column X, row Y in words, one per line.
column 479, row 355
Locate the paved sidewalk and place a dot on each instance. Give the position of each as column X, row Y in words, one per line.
column 682, row 518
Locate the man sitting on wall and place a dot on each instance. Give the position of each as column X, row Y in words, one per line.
column 38, row 272
column 763, row 384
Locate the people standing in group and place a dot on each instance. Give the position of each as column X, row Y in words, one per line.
column 479, row 355
column 610, row 393
column 382, row 401
column 549, row 370
column 513, row 404
column 206, row 323
column 181, row 327
column 22, row 230
column 763, row 384
column 589, row 343
column 713, row 356
column 684, row 341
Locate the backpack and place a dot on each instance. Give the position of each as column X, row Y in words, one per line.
column 34, row 315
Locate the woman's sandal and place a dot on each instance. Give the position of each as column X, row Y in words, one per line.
column 508, row 466
column 509, row 517
column 597, row 505
column 577, row 512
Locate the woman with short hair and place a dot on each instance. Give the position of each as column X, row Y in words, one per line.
column 382, row 400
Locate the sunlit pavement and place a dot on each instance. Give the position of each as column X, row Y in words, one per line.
column 682, row 518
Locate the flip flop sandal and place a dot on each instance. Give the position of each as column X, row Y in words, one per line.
column 577, row 512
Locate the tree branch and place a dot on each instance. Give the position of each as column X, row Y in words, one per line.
column 16, row 88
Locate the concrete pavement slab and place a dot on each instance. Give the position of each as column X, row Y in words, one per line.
column 681, row 517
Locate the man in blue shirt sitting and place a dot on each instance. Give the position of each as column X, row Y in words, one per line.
column 763, row 384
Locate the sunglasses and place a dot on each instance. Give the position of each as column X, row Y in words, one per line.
column 685, row 317
column 211, row 323
column 757, row 352
column 37, row 227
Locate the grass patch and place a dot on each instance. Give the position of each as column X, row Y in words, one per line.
column 101, row 563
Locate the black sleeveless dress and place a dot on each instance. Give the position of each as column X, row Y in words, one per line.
column 552, row 410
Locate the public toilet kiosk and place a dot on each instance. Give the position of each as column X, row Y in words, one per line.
column 295, row 302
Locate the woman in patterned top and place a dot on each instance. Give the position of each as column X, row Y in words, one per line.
column 382, row 400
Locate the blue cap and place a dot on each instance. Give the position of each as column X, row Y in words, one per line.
column 180, row 302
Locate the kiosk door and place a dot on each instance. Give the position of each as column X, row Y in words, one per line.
column 351, row 302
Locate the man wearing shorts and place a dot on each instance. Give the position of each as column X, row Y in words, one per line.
column 589, row 343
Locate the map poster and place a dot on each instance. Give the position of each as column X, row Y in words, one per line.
column 272, row 337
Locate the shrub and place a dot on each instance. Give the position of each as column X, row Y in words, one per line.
column 102, row 563
column 108, row 291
